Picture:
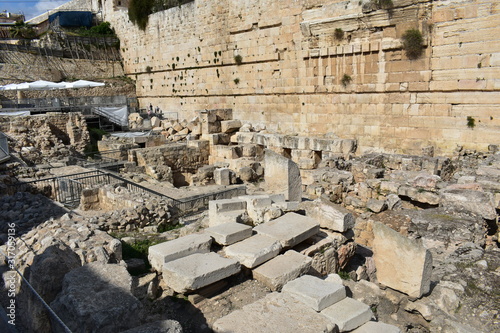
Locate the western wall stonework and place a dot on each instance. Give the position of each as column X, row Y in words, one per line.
column 292, row 66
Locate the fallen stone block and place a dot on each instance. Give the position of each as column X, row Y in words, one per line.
column 376, row 206
column 222, row 176
column 254, row 250
column 162, row 253
column 377, row 327
column 481, row 203
column 402, row 263
column 198, row 270
column 329, row 215
column 229, row 233
column 230, row 126
column 282, row 175
column 275, row 273
column 290, row 229
column 275, row 313
column 225, row 210
column 315, row 292
column 348, row 314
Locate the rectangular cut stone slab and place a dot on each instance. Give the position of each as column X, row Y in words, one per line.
column 225, row 210
column 278, row 271
column 282, row 176
column 315, row 292
column 229, row 233
column 330, row 215
column 275, row 313
column 402, row 263
column 377, row 327
column 290, row 229
column 254, row 250
column 348, row 314
column 198, row 270
column 181, row 247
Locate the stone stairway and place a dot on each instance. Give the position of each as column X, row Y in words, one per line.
column 305, row 303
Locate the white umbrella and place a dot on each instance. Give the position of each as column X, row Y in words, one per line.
column 85, row 84
column 36, row 85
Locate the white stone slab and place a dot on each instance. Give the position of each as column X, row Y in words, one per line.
column 403, row 264
column 183, row 246
column 377, row 327
column 290, row 229
column 275, row 273
column 198, row 270
column 348, row 314
column 229, row 233
column 225, row 210
column 315, row 292
column 254, row 250
column 275, row 313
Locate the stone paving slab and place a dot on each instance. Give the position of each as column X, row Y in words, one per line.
column 198, row 270
column 275, row 273
column 275, row 313
column 254, row 250
column 348, row 314
column 229, row 233
column 377, row 327
column 315, row 292
column 290, row 229
column 183, row 246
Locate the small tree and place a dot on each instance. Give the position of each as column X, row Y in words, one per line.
column 413, row 43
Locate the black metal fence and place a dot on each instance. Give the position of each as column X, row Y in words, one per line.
column 67, row 190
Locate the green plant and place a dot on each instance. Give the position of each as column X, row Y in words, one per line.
column 413, row 43
column 22, row 30
column 471, row 122
column 344, row 275
column 385, row 4
column 138, row 12
column 238, row 59
column 338, row 34
column 236, row 81
column 346, row 79
column 149, row 69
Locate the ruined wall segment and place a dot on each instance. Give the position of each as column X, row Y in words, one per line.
column 279, row 63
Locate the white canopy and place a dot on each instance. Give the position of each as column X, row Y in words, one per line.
column 47, row 85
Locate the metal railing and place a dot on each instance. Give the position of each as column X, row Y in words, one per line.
column 67, row 190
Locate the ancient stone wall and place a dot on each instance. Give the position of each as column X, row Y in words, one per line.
column 279, row 63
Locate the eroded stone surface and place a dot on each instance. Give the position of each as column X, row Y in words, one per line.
column 254, row 251
column 348, row 314
column 198, row 270
column 278, row 271
column 290, row 229
column 276, row 313
column 229, row 233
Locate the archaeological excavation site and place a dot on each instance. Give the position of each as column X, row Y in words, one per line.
column 251, row 166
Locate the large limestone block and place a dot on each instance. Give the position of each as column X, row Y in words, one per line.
column 98, row 298
column 315, row 292
column 329, row 215
column 290, row 229
column 198, row 270
column 222, row 176
column 254, row 250
column 230, row 126
column 481, row 203
column 377, row 327
column 275, row 313
column 257, row 205
column 229, row 233
column 275, row 273
column 162, row 253
column 348, row 314
column 402, row 263
column 282, row 175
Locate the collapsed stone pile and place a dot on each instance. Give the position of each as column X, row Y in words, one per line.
column 47, row 138
column 172, row 130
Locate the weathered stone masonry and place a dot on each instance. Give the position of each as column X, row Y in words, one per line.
column 291, row 70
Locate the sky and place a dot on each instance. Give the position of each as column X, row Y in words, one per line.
column 30, row 8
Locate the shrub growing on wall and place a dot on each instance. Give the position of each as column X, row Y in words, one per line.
column 413, row 43
column 138, row 12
